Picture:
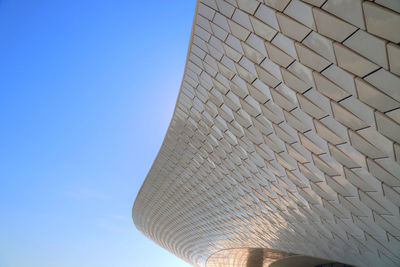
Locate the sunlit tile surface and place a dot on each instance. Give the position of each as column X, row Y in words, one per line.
column 245, row 257
column 285, row 136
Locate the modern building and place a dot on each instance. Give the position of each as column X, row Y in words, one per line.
column 284, row 146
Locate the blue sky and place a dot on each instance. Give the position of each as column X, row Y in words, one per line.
column 87, row 92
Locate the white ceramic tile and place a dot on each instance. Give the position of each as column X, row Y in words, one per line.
column 221, row 21
column 205, row 79
column 378, row 140
column 294, row 122
column 267, row 15
column 310, row 58
column 269, row 114
column 285, row 44
column 308, row 143
column 238, row 31
column 262, row 29
column 356, row 210
column 248, row 65
column 281, row 100
column 277, row 4
column 257, row 43
column 360, row 180
column 249, row 6
column 255, row 106
column 195, row 69
column 328, row 88
column 294, row 82
column 353, row 62
column 198, row 52
column 394, row 58
column 368, row 46
column 242, row 18
column 332, row 27
column 310, row 108
column 382, row 22
column 204, row 23
column 301, row 12
column 252, row 54
column 321, row 45
column 287, row 93
column 392, row 195
column 386, row 82
column 364, row 146
column 302, row 72
column 225, row 71
column 382, row 174
column 374, row 97
column 219, row 32
column 350, row 11
column 277, row 55
column 347, row 118
column 216, row 43
column 388, row 165
column 225, row 8
column 266, row 77
column 196, row 60
column 340, row 77
column 317, row 3
column 392, row 4
column 240, row 89
column 223, row 80
column 211, row 61
column 327, row 134
column 232, row 53
column 199, row 42
column 234, row 42
column 388, row 127
column 272, row 68
column 206, row 11
column 232, row 101
column 319, row 100
column 336, row 127
column 210, row 3
column 292, row 28
column 394, row 115
column 262, row 94
column 214, row 52
column 203, row 34
column 361, row 110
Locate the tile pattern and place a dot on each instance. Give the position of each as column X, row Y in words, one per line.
column 286, row 134
column 245, row 257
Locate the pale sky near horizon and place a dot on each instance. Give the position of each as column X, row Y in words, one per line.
column 87, row 92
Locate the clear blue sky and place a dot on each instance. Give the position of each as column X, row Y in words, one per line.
column 87, row 92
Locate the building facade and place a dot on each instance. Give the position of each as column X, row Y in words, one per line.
column 285, row 139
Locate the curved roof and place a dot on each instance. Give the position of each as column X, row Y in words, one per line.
column 285, row 135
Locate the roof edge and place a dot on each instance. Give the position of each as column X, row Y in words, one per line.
column 176, row 105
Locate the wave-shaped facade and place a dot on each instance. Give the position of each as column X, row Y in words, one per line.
column 285, row 135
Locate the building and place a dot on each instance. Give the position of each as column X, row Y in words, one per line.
column 285, row 140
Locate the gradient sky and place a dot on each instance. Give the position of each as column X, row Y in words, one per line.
column 87, row 92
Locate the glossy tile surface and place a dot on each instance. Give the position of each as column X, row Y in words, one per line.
column 382, row 22
column 285, row 136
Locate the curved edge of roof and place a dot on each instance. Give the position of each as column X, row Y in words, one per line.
column 176, row 104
